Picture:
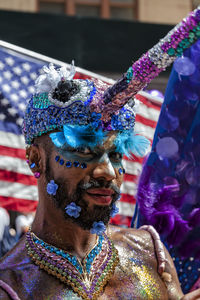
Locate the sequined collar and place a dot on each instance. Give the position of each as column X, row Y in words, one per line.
column 86, row 278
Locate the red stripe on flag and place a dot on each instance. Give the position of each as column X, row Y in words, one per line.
column 134, row 158
column 145, row 121
column 13, row 152
column 122, row 220
column 128, row 198
column 21, row 205
column 130, row 177
column 148, row 102
column 17, row 177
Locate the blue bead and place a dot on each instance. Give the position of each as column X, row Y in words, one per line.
column 76, row 164
column 120, row 171
column 83, row 165
column 61, row 162
column 57, row 158
column 32, row 165
column 68, row 164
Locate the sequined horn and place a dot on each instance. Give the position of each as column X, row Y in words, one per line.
column 181, row 37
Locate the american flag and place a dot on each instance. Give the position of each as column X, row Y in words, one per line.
column 18, row 188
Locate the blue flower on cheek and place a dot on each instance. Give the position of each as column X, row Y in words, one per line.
column 114, row 211
column 52, row 188
column 73, row 210
column 98, row 228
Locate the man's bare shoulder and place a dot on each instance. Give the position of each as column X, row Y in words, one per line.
column 14, row 256
column 12, row 264
column 131, row 236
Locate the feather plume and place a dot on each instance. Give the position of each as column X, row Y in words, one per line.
column 127, row 143
column 58, row 139
column 77, row 136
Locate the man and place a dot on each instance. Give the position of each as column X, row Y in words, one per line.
column 77, row 132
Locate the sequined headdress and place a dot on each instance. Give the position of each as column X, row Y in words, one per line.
column 61, row 100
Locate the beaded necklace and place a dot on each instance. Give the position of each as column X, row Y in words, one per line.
column 86, row 278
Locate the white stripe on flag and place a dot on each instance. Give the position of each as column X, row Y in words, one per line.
column 14, row 164
column 126, row 209
column 18, row 190
column 148, row 112
column 129, row 187
column 12, row 140
column 131, row 167
column 144, row 130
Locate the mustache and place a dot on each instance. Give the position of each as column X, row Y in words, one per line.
column 99, row 184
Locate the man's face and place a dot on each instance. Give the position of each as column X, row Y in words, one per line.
column 94, row 188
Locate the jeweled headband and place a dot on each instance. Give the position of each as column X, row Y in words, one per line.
column 61, row 100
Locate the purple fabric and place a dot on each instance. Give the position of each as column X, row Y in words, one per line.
column 169, row 187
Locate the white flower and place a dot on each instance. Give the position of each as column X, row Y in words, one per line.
column 48, row 82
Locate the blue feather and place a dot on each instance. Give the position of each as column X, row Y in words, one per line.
column 78, row 136
column 127, row 143
column 58, row 139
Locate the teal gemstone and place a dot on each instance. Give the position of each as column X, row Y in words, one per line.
column 191, row 35
column 198, row 33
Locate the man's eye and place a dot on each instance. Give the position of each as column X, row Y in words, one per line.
column 83, row 150
column 116, row 156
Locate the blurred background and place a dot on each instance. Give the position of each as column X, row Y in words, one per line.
column 104, row 36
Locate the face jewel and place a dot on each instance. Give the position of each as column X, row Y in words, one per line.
column 61, row 162
column 76, row 164
column 98, row 228
column 57, row 158
column 32, row 165
column 114, row 211
column 68, row 164
column 83, row 165
column 120, row 171
column 73, row 210
column 52, row 188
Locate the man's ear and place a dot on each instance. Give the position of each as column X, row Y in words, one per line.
column 34, row 158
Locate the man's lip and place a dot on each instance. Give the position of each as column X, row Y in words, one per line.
column 103, row 192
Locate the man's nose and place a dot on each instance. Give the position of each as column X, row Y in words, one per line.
column 104, row 169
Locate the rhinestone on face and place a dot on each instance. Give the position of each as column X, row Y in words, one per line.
column 120, row 171
column 76, row 164
column 83, row 165
column 61, row 162
column 32, row 165
column 68, row 164
column 57, row 158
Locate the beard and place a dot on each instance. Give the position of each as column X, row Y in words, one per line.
column 87, row 215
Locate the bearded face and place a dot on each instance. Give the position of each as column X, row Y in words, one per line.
column 94, row 189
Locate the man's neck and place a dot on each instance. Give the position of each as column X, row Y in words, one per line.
column 50, row 226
